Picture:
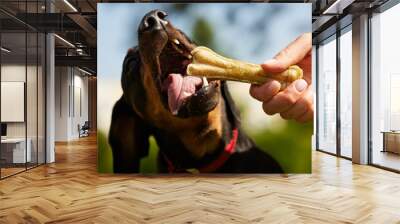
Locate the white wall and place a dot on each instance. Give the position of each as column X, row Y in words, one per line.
column 12, row 73
column 71, row 102
column 33, row 127
column 81, row 96
column 62, row 81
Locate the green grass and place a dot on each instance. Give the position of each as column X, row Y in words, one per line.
column 104, row 155
column 149, row 164
column 291, row 147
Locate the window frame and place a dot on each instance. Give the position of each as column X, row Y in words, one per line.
column 337, row 35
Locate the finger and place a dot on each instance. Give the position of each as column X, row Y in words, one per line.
column 306, row 117
column 265, row 91
column 305, row 65
column 285, row 99
column 304, row 103
column 292, row 54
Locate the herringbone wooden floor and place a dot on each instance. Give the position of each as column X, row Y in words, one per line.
column 71, row 191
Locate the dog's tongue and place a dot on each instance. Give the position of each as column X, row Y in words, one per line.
column 179, row 89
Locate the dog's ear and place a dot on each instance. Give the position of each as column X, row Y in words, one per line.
column 132, row 81
column 231, row 109
column 129, row 132
column 130, row 67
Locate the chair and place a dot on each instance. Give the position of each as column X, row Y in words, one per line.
column 84, row 130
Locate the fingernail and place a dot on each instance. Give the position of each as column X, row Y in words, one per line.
column 273, row 86
column 301, row 85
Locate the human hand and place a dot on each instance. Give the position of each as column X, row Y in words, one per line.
column 296, row 101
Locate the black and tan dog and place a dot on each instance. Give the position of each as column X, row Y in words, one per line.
column 193, row 120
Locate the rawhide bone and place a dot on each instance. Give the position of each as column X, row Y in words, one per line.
column 207, row 63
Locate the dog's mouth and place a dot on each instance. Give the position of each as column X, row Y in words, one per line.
column 186, row 95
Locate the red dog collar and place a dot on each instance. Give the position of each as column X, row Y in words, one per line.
column 214, row 165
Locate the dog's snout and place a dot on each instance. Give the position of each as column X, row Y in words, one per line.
column 153, row 20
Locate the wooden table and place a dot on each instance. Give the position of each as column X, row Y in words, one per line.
column 391, row 141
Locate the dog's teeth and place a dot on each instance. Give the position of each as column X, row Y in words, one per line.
column 185, row 94
column 205, row 82
column 176, row 41
column 189, row 56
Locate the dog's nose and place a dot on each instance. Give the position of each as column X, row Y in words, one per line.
column 153, row 20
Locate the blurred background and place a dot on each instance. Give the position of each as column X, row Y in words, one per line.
column 251, row 32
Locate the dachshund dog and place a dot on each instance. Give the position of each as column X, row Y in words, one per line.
column 193, row 120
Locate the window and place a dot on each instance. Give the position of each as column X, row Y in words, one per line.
column 346, row 92
column 22, row 77
column 327, row 95
column 385, row 89
column 15, row 147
